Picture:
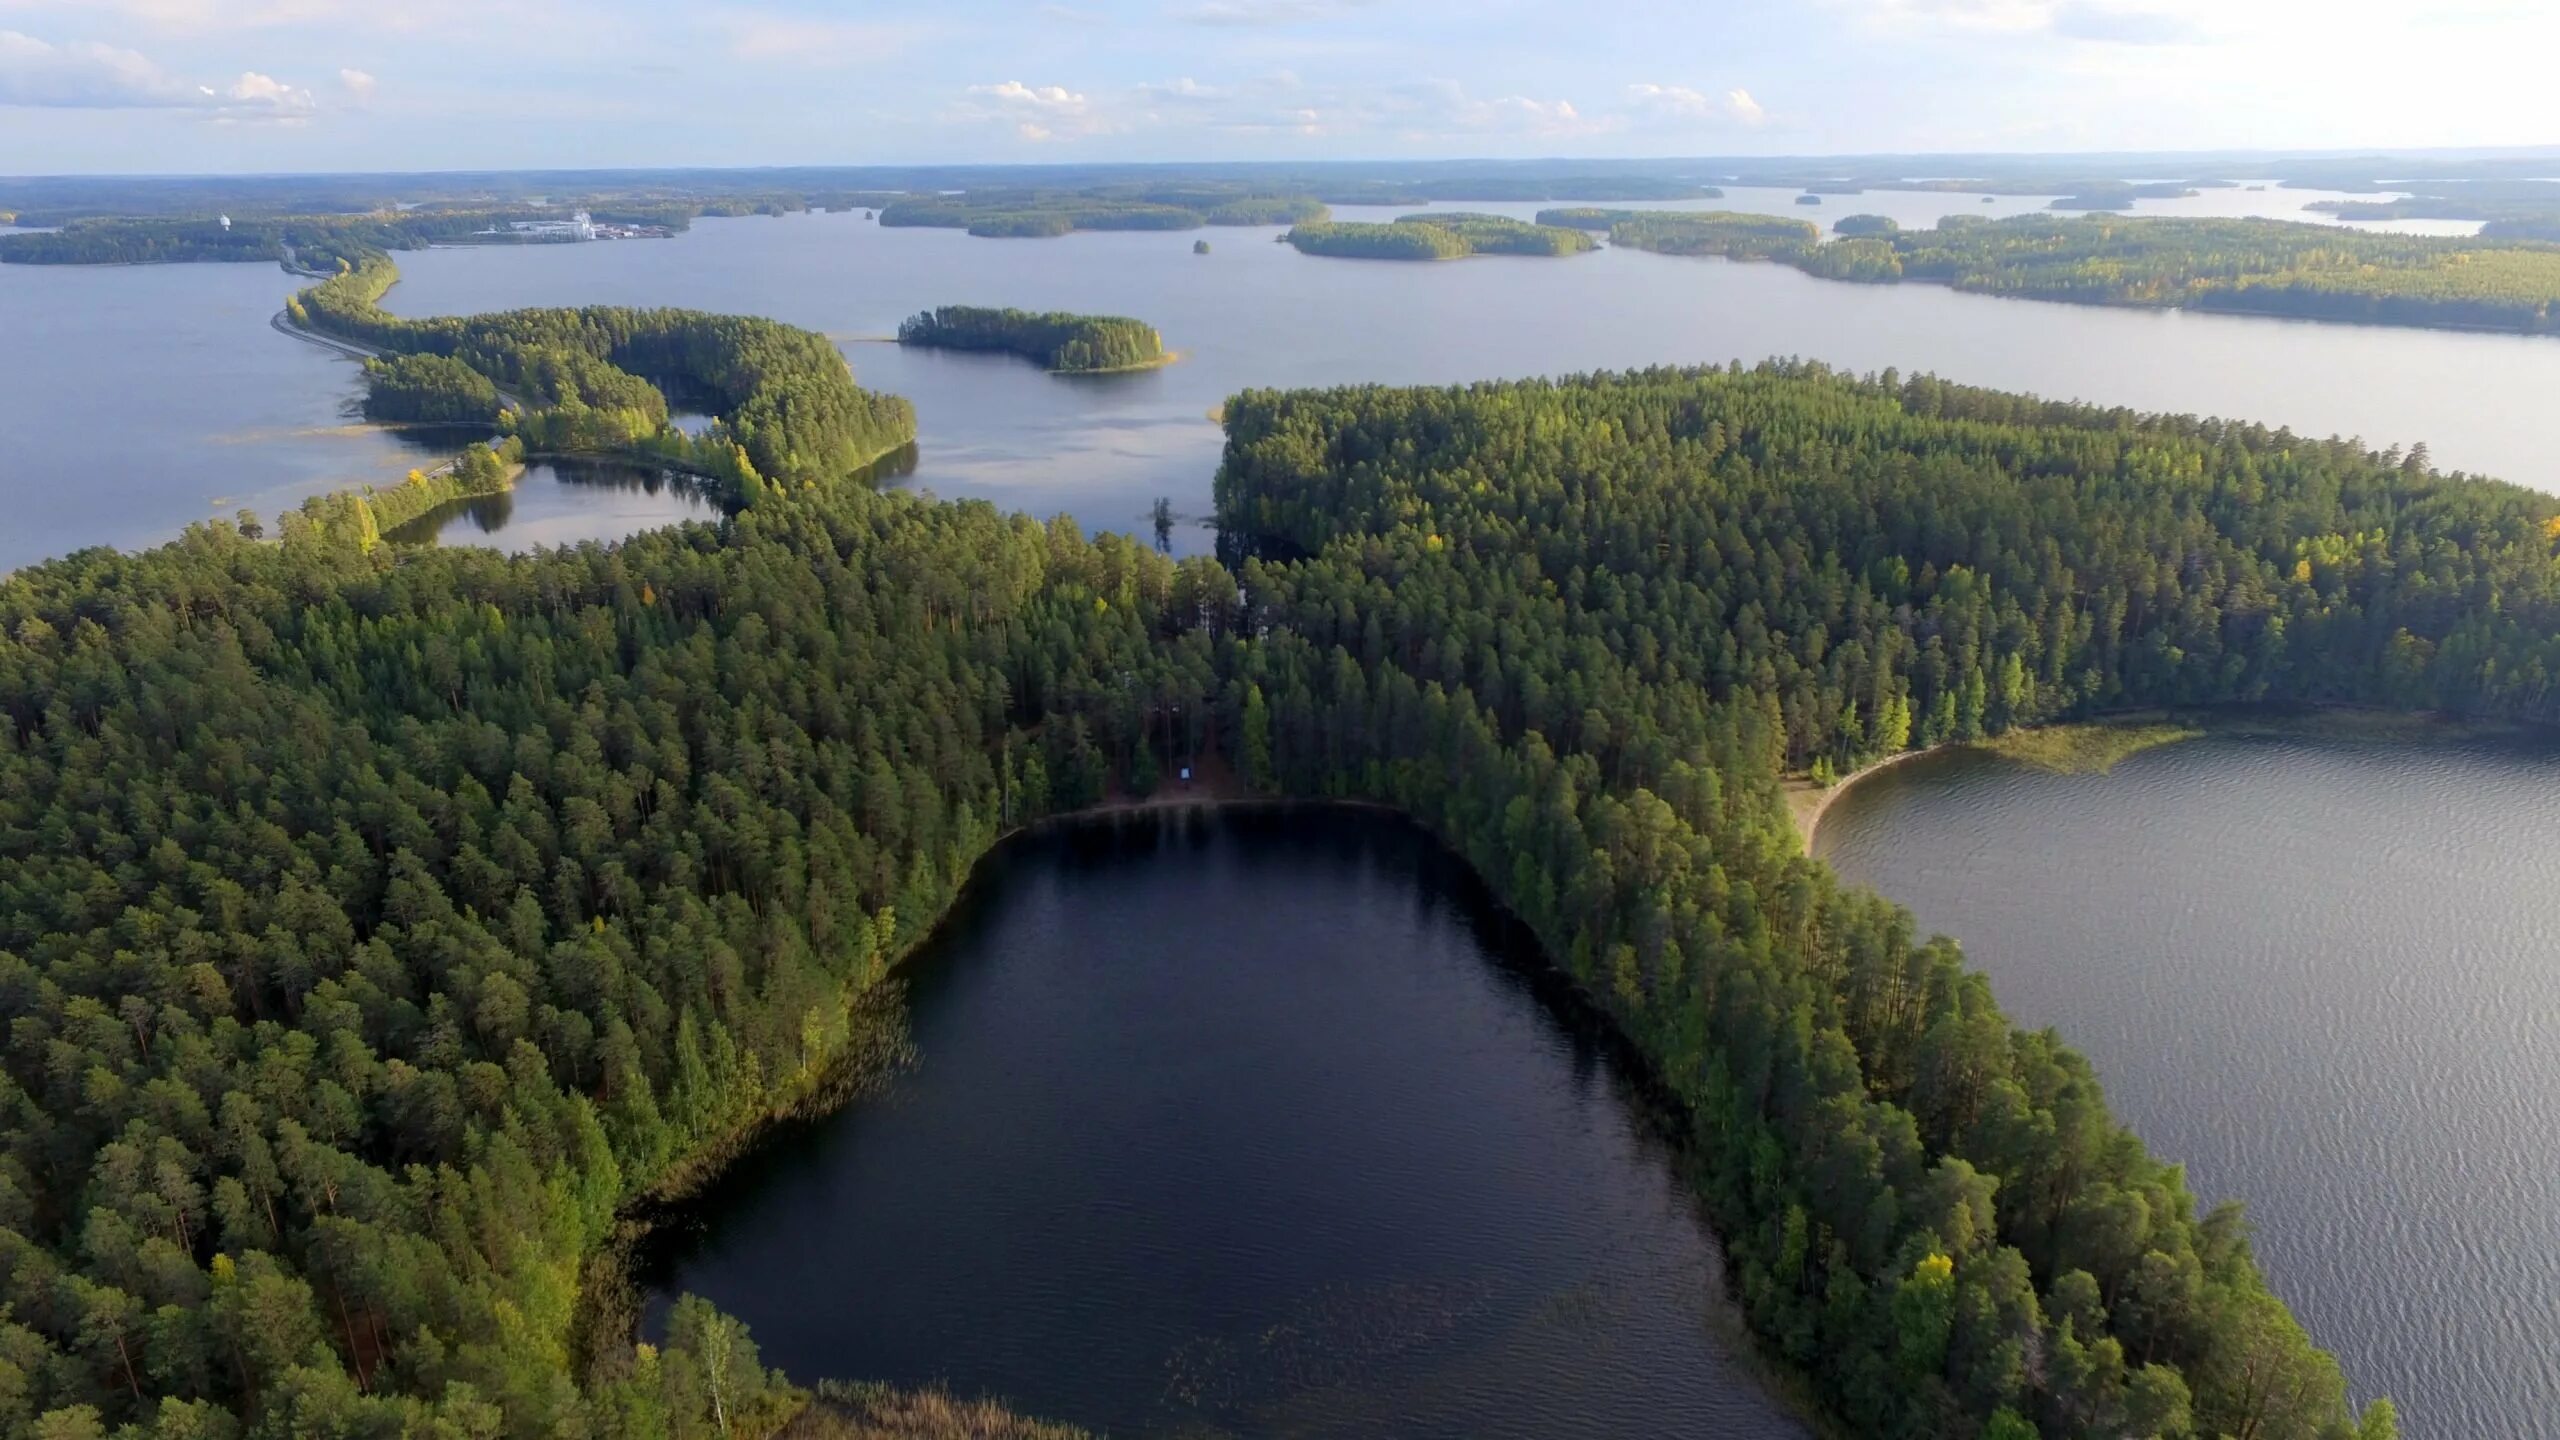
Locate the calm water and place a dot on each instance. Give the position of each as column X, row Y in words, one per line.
column 2323, row 975
column 561, row 502
column 204, row 404
column 1342, row 1171
column 141, row 399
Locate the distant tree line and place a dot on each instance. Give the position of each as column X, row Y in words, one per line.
column 1437, row 235
column 2269, row 267
column 1004, row 214
column 312, row 242
column 1073, row 344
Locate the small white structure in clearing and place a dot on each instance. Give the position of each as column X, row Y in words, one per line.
column 580, row 226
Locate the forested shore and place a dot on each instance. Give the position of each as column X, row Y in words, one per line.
column 376, row 923
column 2257, row 267
column 1436, row 235
column 1068, row 344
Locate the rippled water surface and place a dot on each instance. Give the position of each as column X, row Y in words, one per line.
column 1253, row 1125
column 2325, row 975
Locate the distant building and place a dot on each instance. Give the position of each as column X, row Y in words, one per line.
column 581, row 226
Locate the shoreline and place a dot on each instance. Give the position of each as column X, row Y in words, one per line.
column 1807, row 803
column 611, row 1297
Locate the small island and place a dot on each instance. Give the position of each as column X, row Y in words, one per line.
column 1059, row 342
column 1450, row 235
column 589, row 383
column 1199, row 247
column 1808, row 198
column 1865, row 225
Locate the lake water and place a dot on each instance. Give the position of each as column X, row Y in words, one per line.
column 2324, row 975
column 561, row 502
column 1351, row 1169
column 208, row 409
column 141, row 399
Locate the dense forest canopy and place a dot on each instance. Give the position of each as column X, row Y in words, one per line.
column 1437, row 235
column 582, row 381
column 312, row 242
column 2267, row 267
column 1727, row 233
column 375, row 923
column 1073, row 344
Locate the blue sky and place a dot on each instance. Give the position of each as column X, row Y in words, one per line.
column 270, row 85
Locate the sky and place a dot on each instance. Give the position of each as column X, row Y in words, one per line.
column 209, row 86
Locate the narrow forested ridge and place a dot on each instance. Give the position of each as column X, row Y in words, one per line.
column 374, row 923
column 1071, row 344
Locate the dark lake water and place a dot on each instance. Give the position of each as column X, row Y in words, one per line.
column 2325, row 975
column 1251, row 1124
column 208, row 409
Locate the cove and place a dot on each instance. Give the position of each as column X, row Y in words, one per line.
column 563, row 502
column 1254, row 1121
column 2322, row 970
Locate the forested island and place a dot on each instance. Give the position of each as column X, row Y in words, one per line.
column 311, row 243
column 588, row 382
column 377, row 924
column 1437, row 235
column 1036, row 213
column 1067, row 344
column 2262, row 267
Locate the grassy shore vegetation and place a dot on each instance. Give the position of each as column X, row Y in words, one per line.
column 1438, row 235
column 2087, row 748
column 1069, row 344
column 587, row 381
column 375, row 928
column 873, row 1412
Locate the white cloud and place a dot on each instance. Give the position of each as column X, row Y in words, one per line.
column 89, row 76
column 1678, row 105
column 1438, row 109
column 1035, row 114
column 1057, row 98
column 82, row 76
column 1182, row 90
column 358, row 83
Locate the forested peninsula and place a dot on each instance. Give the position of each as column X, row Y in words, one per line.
column 1067, row 344
column 1437, row 235
column 2260, row 267
column 376, row 923
column 590, row 382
